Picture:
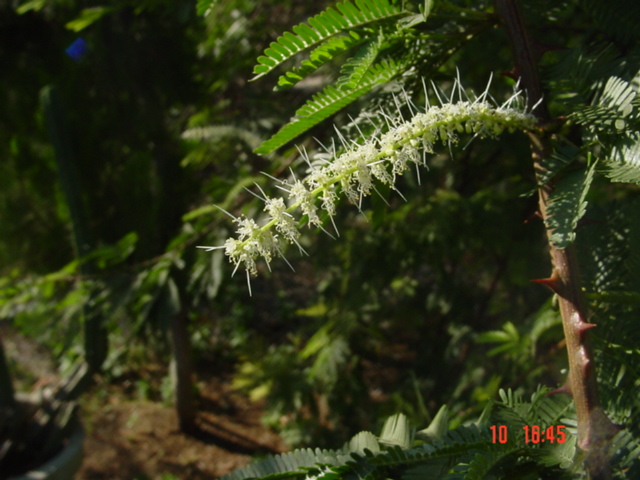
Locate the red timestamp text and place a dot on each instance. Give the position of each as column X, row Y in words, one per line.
column 532, row 434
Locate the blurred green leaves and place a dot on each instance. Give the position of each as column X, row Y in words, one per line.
column 420, row 303
column 87, row 17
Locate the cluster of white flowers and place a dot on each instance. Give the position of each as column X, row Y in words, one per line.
column 352, row 172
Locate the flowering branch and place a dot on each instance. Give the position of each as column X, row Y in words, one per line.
column 382, row 157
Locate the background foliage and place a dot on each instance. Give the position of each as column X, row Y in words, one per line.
column 419, row 304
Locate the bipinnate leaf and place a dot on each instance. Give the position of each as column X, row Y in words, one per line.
column 614, row 111
column 614, row 116
column 325, row 52
column 623, row 164
column 356, row 67
column 344, row 17
column 328, row 102
column 289, row 465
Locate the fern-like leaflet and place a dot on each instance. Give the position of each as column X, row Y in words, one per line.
column 328, row 102
column 346, row 16
column 614, row 118
column 356, row 67
column 465, row 453
column 611, row 112
column 330, row 49
column 290, row 465
column 568, row 205
column 368, row 24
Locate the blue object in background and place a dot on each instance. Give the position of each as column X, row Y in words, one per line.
column 78, row 49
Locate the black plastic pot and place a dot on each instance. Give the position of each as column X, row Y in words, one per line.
column 62, row 466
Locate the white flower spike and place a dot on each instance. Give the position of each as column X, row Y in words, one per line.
column 380, row 158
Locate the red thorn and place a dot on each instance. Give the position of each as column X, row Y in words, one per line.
column 534, row 216
column 563, row 389
column 584, row 326
column 552, row 282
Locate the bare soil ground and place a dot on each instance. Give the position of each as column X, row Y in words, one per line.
column 131, row 439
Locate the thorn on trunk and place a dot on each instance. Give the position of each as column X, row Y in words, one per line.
column 534, row 216
column 584, row 326
column 553, row 282
column 565, row 389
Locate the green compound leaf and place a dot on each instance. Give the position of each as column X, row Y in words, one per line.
column 354, row 70
column 486, row 459
column 560, row 454
column 614, row 109
column 320, row 28
column 613, row 118
column 623, row 164
column 508, row 338
column 293, row 464
column 616, row 17
column 568, row 204
column 319, row 56
column 328, row 102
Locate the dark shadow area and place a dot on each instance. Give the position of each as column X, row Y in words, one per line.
column 213, row 432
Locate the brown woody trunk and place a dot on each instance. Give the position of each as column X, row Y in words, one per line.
column 595, row 430
column 182, row 372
